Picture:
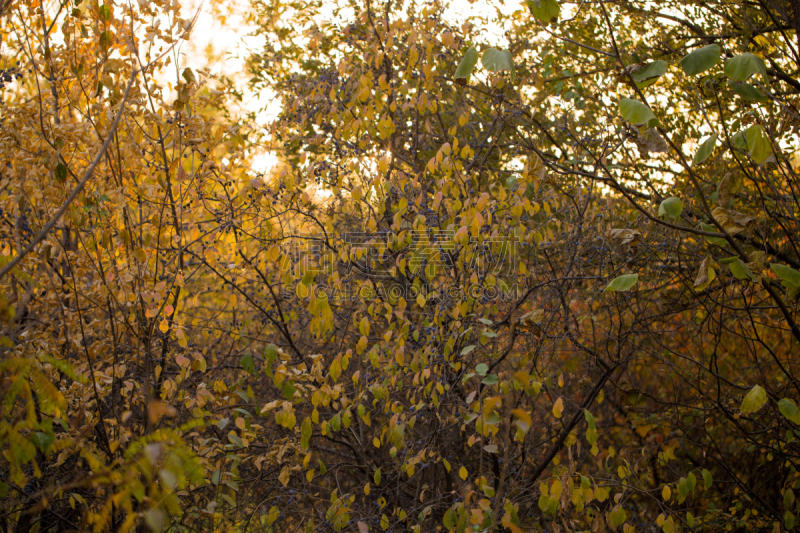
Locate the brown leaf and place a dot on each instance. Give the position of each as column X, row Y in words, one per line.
column 728, row 187
column 156, row 409
column 624, row 235
column 536, row 166
column 532, row 318
column 650, row 140
column 705, row 275
column 530, row 321
column 733, row 221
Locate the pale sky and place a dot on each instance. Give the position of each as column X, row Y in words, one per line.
column 231, row 43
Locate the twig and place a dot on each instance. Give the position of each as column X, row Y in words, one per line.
column 78, row 188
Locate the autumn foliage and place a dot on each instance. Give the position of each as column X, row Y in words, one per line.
column 523, row 269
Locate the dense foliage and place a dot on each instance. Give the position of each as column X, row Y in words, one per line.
column 535, row 269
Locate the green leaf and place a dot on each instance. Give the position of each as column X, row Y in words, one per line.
column 708, row 480
column 741, row 67
column 747, row 92
column 789, row 520
column 544, row 503
column 494, row 418
column 738, row 141
column 589, row 418
column 789, row 276
column 754, row 400
column 789, row 498
column 719, row 241
column 481, row 369
column 247, row 363
column 449, row 520
column 788, row 409
column 491, row 379
column 61, row 172
column 738, row 269
column 617, row 516
column 467, row 349
column 683, row 489
column 636, row 112
column 622, row 283
column 467, row 64
column 288, row 389
column 495, row 60
column 270, row 352
column 377, row 477
column 758, row 143
column 335, row 422
column 306, row 431
column 705, row 150
column 105, row 12
column 691, row 481
column 105, row 40
column 671, row 207
column 188, row 75
column 546, row 11
column 701, row 60
column 650, row 72
column 43, row 441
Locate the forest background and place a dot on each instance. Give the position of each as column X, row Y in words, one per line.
column 405, row 266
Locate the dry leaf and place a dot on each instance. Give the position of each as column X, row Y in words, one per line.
column 624, row 235
column 733, row 222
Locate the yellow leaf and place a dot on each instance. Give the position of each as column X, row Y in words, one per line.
column 383, row 165
column 376, row 442
column 421, row 300
column 310, row 474
column 523, row 419
column 462, row 473
column 366, row 489
column 399, row 356
column 556, row 489
column 558, row 408
column 283, row 477
column 666, row 492
column 273, row 514
column 462, row 236
column 164, row 326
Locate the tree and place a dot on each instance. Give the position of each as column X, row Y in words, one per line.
column 544, row 283
column 675, row 257
column 97, row 353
